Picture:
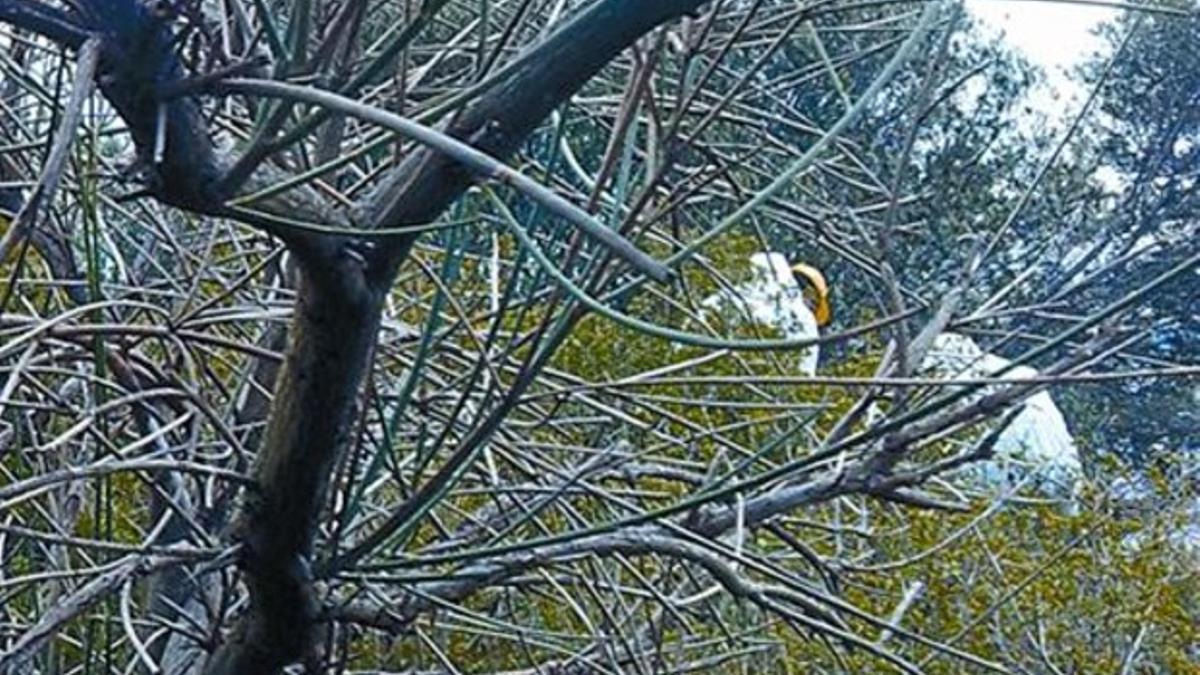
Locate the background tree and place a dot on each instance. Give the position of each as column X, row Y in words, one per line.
column 1141, row 149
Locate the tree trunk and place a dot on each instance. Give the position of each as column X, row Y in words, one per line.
column 329, row 353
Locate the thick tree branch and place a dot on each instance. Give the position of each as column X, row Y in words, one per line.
column 314, row 405
column 42, row 20
column 498, row 122
column 175, row 148
column 473, row 160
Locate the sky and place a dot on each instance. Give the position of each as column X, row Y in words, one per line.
column 1051, row 34
column 1055, row 36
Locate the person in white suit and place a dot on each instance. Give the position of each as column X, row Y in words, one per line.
column 794, row 298
column 775, row 297
column 1036, row 444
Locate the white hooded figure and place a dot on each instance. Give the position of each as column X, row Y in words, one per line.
column 774, row 297
column 1036, row 444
